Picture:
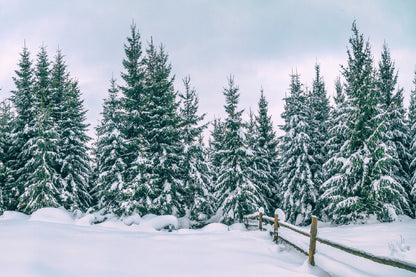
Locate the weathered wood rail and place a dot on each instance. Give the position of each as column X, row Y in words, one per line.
column 314, row 238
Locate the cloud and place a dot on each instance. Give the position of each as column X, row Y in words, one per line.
column 259, row 42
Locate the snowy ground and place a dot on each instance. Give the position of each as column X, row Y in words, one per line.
column 52, row 243
column 393, row 240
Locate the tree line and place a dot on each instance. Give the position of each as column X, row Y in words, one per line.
column 344, row 162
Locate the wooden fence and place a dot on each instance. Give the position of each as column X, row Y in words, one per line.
column 314, row 238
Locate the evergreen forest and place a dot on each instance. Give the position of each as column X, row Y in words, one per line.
column 344, row 159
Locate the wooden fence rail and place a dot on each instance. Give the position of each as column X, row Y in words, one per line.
column 313, row 238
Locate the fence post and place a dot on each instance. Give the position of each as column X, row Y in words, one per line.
column 261, row 211
column 312, row 243
column 276, row 226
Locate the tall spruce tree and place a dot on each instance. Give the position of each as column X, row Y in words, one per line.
column 24, row 102
column 396, row 134
column 40, row 178
column 362, row 185
column 111, row 188
column 6, row 143
column 295, row 172
column 75, row 169
column 139, row 194
column 338, row 133
column 162, row 133
column 266, row 153
column 196, row 167
column 68, row 112
column 236, row 193
column 319, row 123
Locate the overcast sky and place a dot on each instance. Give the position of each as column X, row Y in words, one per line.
column 259, row 42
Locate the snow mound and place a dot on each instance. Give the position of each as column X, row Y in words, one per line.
column 132, row 219
column 10, row 215
column 90, row 219
column 238, row 227
column 114, row 223
column 215, row 228
column 55, row 215
column 151, row 223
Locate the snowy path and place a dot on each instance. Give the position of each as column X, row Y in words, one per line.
column 34, row 248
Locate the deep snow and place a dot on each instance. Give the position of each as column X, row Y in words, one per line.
column 52, row 242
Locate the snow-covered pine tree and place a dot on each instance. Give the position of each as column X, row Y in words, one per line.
column 68, row 112
column 412, row 135
column 74, row 152
column 39, row 177
column 362, row 185
column 260, row 170
column 110, row 148
column 138, row 194
column 235, row 191
column 396, row 134
column 297, row 184
column 319, row 122
column 162, row 133
column 266, row 153
column 338, row 133
column 196, row 168
column 6, row 143
column 24, row 102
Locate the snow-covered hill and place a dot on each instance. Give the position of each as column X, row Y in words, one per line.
column 51, row 242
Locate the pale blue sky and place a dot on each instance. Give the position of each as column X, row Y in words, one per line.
column 259, row 42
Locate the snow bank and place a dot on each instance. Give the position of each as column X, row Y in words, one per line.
column 90, row 219
column 133, row 219
column 152, row 223
column 55, row 215
column 9, row 215
column 238, row 227
column 43, row 249
column 215, row 228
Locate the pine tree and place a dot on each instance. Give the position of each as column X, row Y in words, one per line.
column 6, row 143
column 110, row 149
column 236, row 193
column 295, row 173
column 75, row 168
column 196, row 168
column 162, row 122
column 68, row 112
column 40, row 178
column 319, row 121
column 338, row 133
column 24, row 102
column 395, row 136
column 138, row 194
column 362, row 186
column 260, row 174
column 266, row 153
